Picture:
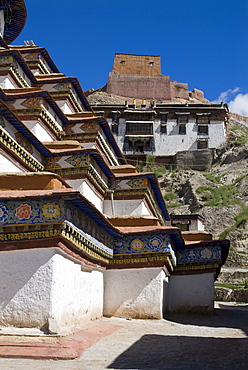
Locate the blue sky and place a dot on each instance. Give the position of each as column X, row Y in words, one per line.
column 201, row 42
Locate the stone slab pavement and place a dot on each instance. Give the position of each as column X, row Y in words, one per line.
column 180, row 342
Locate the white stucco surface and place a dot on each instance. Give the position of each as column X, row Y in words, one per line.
column 76, row 295
column 66, row 109
column 2, row 23
column 25, row 287
column 196, row 224
column 7, row 83
column 134, row 293
column 171, row 142
column 126, row 207
column 191, row 293
column 6, row 165
column 38, row 130
column 42, row 288
column 87, row 191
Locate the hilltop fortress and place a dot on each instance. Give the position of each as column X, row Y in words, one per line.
column 139, row 76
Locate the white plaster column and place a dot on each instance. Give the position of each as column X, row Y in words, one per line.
column 45, row 289
column 191, row 293
column 134, row 293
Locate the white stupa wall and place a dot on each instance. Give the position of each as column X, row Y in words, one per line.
column 42, row 288
column 134, row 293
column 191, row 293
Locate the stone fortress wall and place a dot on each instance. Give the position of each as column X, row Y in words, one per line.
column 139, row 76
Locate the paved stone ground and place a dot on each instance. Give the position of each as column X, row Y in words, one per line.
column 180, row 342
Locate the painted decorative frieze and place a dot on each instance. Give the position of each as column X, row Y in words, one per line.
column 17, row 212
column 68, row 129
column 137, row 183
column 32, row 56
column 51, row 163
column 24, row 142
column 29, row 212
column 202, row 254
column 6, row 59
column 34, row 102
column 91, row 126
column 63, row 86
column 143, row 244
column 78, row 160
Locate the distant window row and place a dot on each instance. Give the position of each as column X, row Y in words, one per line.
column 202, row 129
column 181, row 118
column 147, row 129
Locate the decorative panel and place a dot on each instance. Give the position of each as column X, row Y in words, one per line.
column 147, row 243
column 203, row 254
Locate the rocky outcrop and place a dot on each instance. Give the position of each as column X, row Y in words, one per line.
column 220, row 195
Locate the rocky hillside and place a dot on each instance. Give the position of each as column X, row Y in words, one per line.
column 99, row 96
column 220, row 195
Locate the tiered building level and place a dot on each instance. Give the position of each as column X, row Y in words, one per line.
column 82, row 233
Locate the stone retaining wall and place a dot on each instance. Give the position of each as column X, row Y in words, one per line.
column 231, row 295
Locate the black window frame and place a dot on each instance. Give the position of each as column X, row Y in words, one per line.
column 205, row 142
column 182, row 129
column 202, row 129
column 202, row 119
column 163, row 128
column 182, row 118
column 114, row 128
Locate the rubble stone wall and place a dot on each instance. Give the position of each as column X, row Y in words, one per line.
column 200, row 160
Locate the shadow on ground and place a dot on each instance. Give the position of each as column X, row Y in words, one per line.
column 159, row 352
column 226, row 316
column 169, row 352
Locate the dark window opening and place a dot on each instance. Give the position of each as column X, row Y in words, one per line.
column 181, row 118
column 182, row 129
column 139, row 146
column 202, row 144
column 114, row 129
column 163, row 129
column 137, row 128
column 182, row 227
column 151, row 63
column 203, row 129
column 163, row 118
column 202, row 119
column 115, row 118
